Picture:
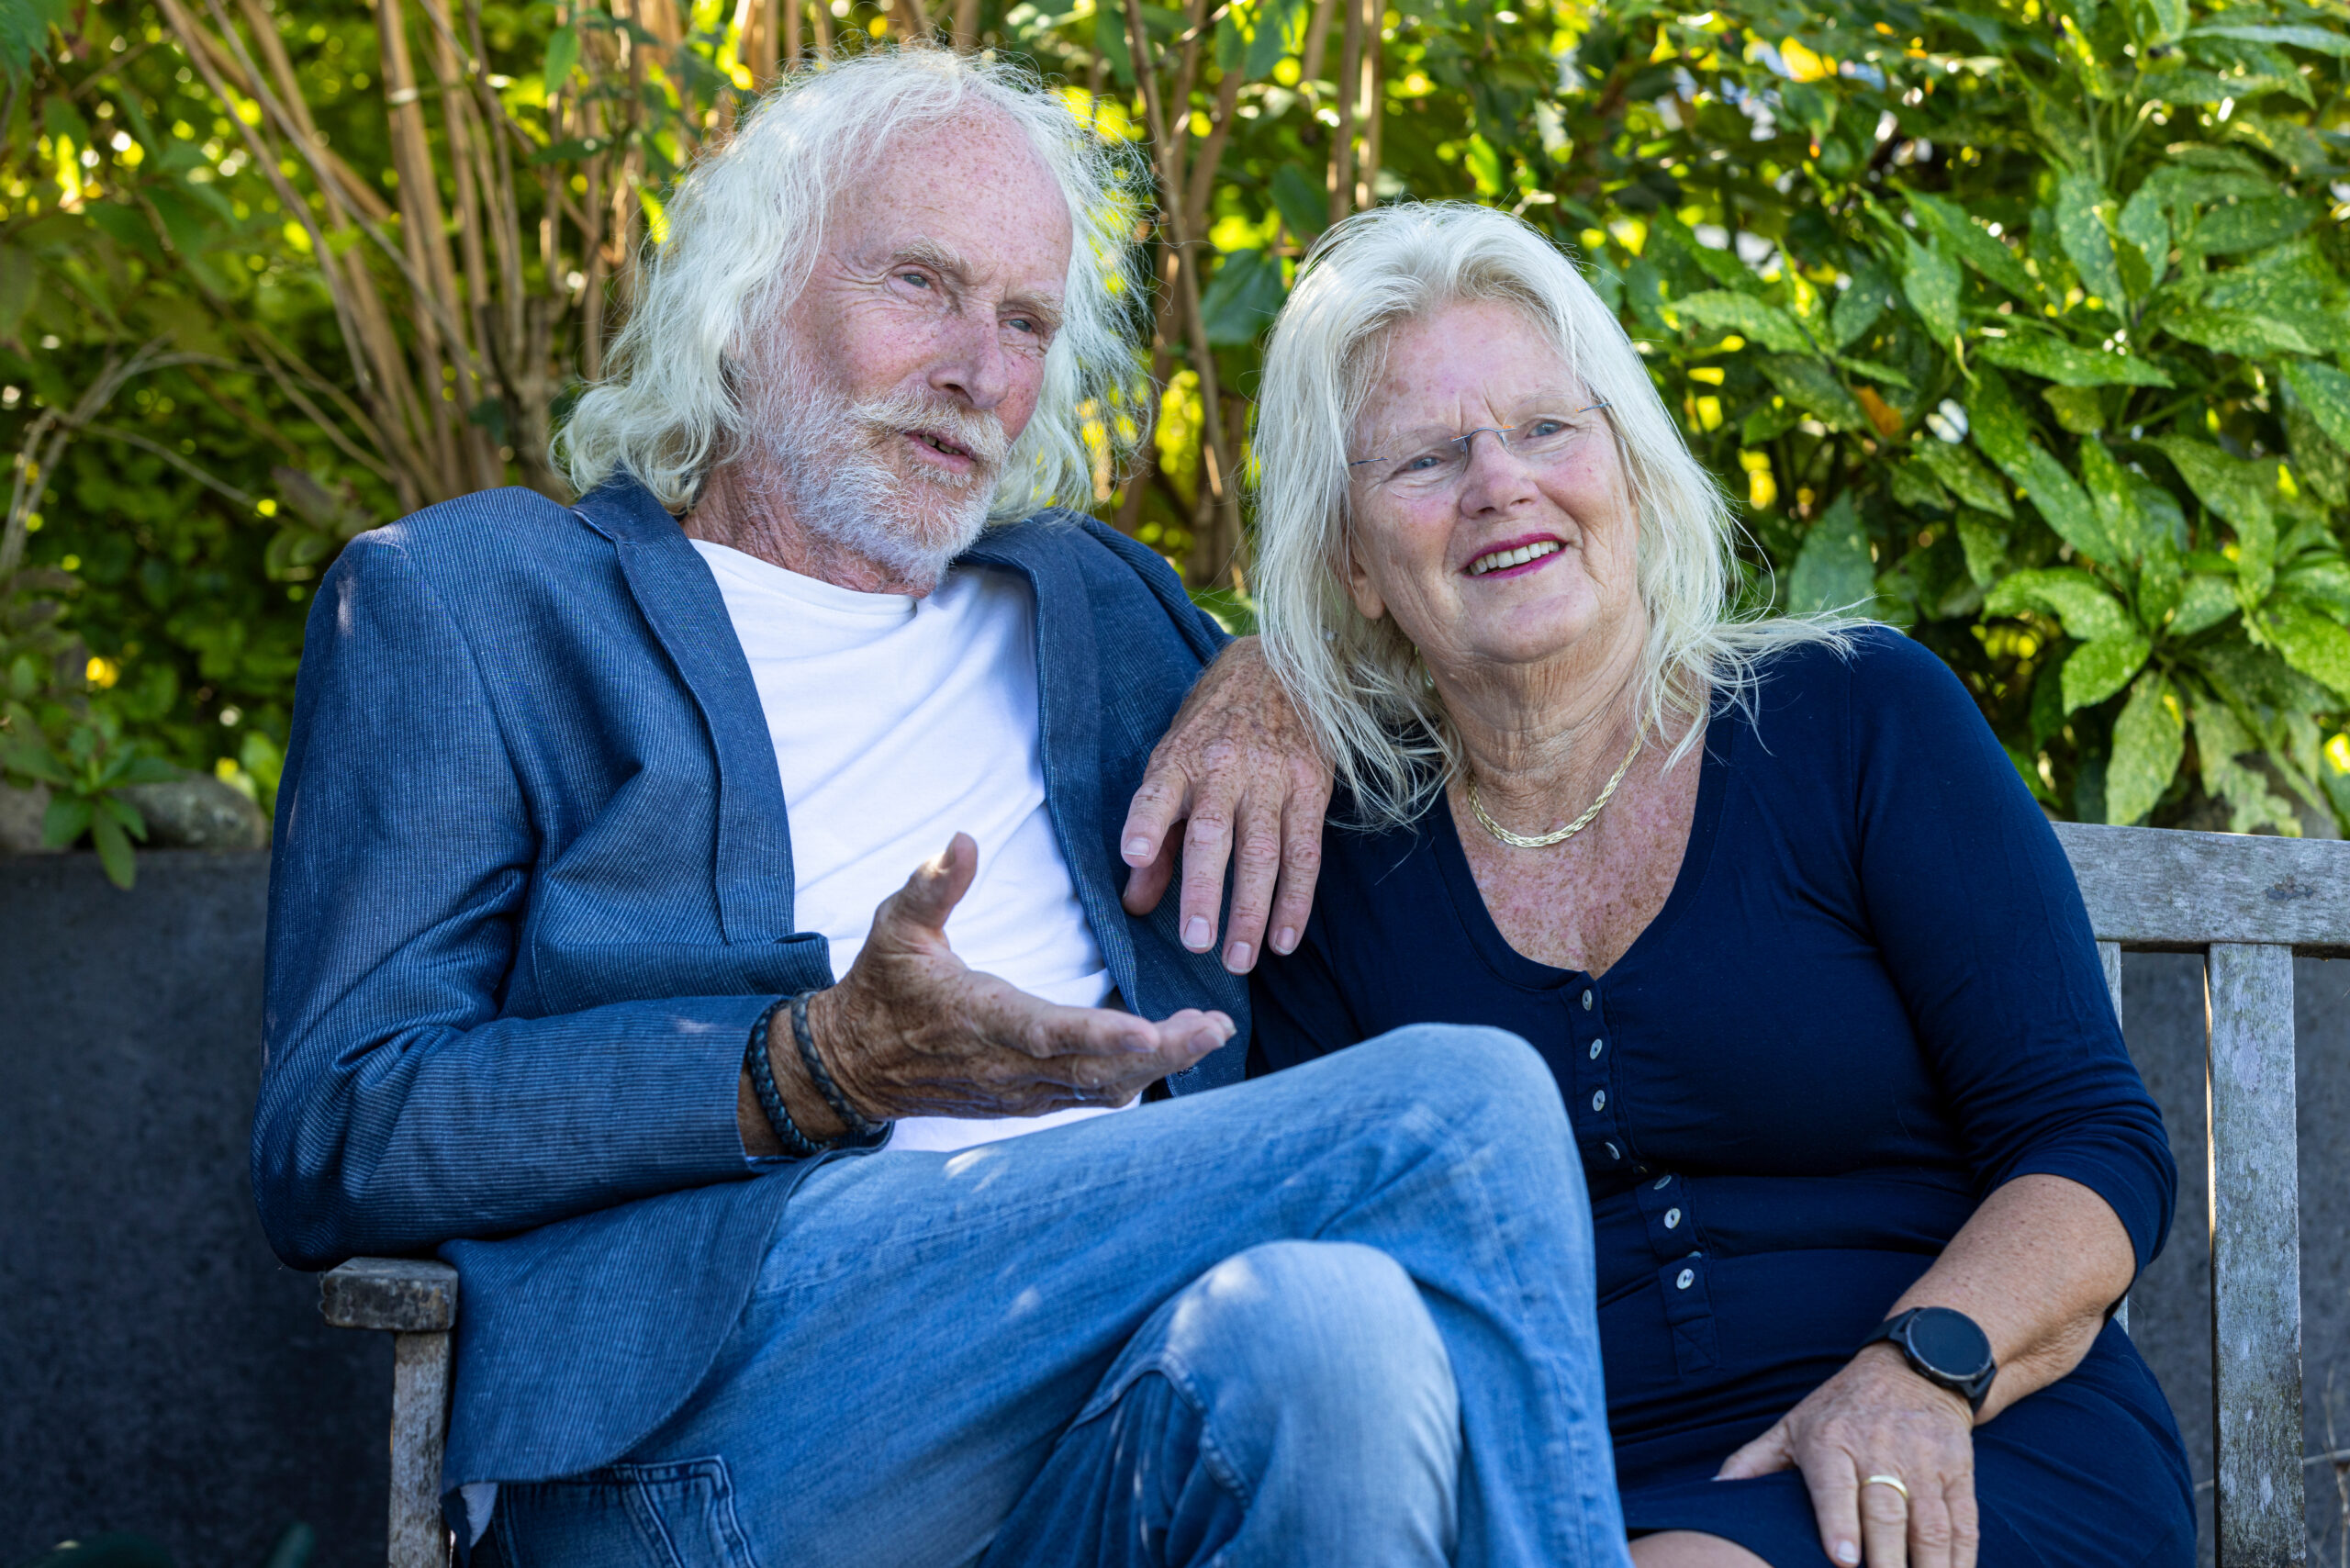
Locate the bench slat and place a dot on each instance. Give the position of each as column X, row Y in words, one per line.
column 2256, row 1257
column 2162, row 889
column 2109, row 955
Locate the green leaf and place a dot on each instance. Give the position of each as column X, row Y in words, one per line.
column 2207, row 601
column 2237, row 333
column 2249, row 225
column 31, row 761
column 1813, row 387
column 67, row 819
column 563, row 54
column 2240, row 492
column 2220, row 739
column 1274, row 22
column 2149, row 739
column 113, row 852
column 1975, row 245
column 2004, row 435
column 2115, row 499
column 1833, row 570
column 1965, row 477
column 1242, row 300
column 2080, row 409
column 2089, row 611
column 2036, row 353
column 1858, row 308
column 2326, row 393
column 2144, row 228
column 2081, row 226
column 1915, row 487
column 122, row 813
column 2324, row 40
column 2169, row 19
column 1768, row 325
column 1303, row 204
column 1985, row 544
column 1930, row 280
column 2311, row 643
column 2095, row 671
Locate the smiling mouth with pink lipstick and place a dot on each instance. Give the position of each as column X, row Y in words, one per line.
column 1516, row 557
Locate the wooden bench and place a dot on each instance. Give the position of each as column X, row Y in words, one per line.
column 2248, row 905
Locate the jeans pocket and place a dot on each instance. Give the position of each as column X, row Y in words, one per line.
column 675, row 1515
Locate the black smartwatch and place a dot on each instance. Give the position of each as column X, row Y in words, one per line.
column 1945, row 1348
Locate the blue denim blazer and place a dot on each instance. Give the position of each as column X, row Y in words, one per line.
column 532, row 887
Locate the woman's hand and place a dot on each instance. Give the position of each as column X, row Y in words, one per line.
column 1878, row 1417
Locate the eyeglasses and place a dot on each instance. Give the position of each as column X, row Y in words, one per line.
column 1426, row 462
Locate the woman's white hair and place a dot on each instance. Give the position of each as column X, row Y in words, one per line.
column 744, row 227
column 1378, row 718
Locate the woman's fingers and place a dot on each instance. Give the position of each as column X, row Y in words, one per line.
column 1834, row 1485
column 1774, row 1449
column 1966, row 1523
column 1885, row 1525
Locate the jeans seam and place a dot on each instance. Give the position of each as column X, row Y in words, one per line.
column 1212, row 1453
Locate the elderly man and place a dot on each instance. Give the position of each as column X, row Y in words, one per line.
column 557, row 989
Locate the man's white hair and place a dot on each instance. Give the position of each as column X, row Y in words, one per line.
column 1378, row 718
column 745, row 226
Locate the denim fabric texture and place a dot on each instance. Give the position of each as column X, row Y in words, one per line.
column 531, row 885
column 1342, row 1315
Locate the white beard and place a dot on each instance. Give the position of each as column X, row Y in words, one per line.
column 822, row 463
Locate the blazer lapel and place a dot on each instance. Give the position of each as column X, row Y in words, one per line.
column 680, row 601
column 1068, row 722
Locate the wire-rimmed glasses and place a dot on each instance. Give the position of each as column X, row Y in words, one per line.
column 1425, row 462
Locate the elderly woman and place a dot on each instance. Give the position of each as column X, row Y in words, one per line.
column 1868, row 1163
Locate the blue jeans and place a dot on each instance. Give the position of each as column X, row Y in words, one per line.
column 1341, row 1316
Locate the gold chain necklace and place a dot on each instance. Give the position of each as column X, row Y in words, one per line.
column 1520, row 841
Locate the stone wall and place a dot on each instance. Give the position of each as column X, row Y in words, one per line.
column 161, row 1371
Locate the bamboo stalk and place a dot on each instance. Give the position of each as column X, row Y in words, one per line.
column 792, row 24
column 1373, row 110
column 1342, row 146
column 1317, row 43
column 1216, row 461
column 967, row 26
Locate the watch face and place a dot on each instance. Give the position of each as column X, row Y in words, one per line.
column 1949, row 1342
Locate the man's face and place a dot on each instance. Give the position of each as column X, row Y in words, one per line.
column 915, row 355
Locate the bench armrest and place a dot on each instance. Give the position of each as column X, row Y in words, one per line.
column 405, row 1295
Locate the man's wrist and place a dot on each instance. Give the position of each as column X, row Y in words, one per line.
column 800, row 1096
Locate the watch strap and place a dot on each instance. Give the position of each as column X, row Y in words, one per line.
column 1974, row 1389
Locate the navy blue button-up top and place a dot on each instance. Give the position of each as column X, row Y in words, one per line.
column 1871, row 997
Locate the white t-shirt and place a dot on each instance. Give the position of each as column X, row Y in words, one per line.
column 899, row 722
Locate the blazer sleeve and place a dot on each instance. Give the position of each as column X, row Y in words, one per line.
column 1975, row 907
column 397, row 1109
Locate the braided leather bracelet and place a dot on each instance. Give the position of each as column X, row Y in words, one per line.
column 850, row 1116
column 795, row 1143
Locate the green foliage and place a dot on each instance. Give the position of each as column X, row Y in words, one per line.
column 2023, row 323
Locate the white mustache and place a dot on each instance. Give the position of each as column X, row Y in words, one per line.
column 909, row 413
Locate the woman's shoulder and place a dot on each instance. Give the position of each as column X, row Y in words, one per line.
column 1863, row 670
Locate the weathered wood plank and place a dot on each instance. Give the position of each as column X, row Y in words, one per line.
column 2164, row 890
column 420, row 1438
column 2256, row 1258
column 407, row 1295
column 2109, row 955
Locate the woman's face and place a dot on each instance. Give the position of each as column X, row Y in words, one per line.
column 1526, row 551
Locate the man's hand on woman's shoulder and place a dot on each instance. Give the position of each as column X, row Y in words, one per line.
column 1241, row 768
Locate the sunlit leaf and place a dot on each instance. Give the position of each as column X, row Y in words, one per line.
column 1975, row 245
column 2005, row 436
column 1930, row 279
column 1747, row 316
column 1966, row 478
column 2326, row 393
column 2311, row 642
column 1833, row 570
column 2248, row 225
column 2036, row 353
column 2088, row 610
column 563, row 56
column 1813, row 387
column 2237, row 333
column 2239, row 491
column 2081, row 226
column 2114, row 497
column 2207, row 601
column 2095, row 671
column 2149, row 739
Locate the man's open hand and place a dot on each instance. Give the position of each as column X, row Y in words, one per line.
column 913, row 1031
column 1239, row 766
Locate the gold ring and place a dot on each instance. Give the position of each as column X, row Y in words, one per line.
column 1892, row 1480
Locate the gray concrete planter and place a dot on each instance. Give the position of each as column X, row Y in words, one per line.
column 160, row 1371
